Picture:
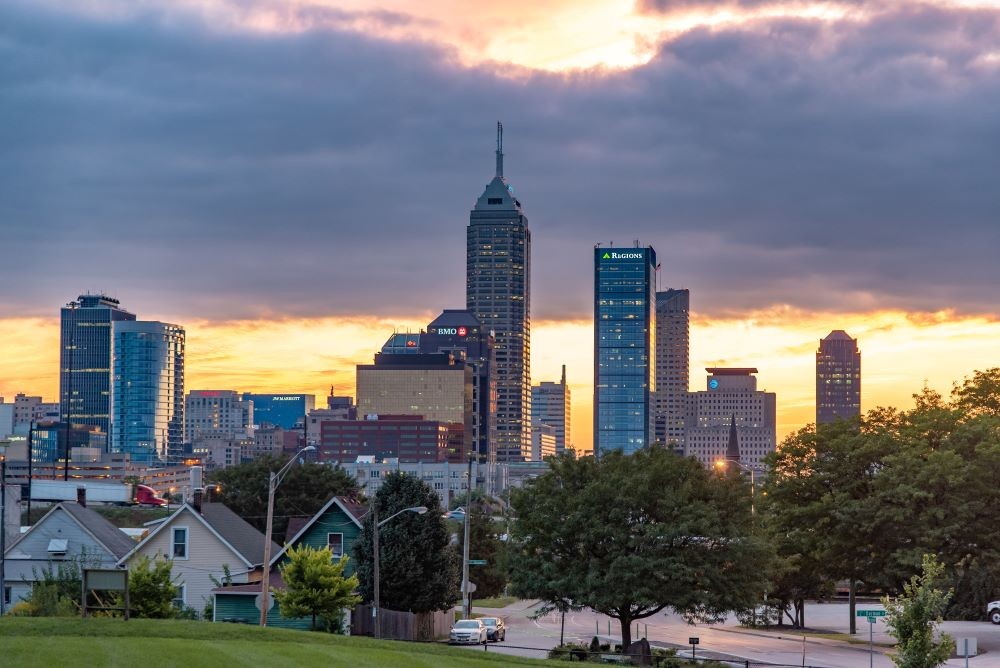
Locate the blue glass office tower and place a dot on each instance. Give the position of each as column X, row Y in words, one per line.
column 281, row 410
column 85, row 359
column 624, row 348
column 147, row 402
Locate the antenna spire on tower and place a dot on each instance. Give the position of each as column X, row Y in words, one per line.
column 499, row 148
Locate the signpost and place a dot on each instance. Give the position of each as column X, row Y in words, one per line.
column 693, row 641
column 872, row 616
column 477, row 562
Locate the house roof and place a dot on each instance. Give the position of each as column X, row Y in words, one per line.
column 275, row 581
column 100, row 529
column 352, row 508
column 295, row 525
column 242, row 538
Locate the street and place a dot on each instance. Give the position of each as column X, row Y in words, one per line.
column 772, row 647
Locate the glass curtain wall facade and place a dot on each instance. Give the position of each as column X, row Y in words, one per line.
column 625, row 348
column 148, row 399
column 498, row 292
column 673, row 367
column 280, row 410
column 85, row 359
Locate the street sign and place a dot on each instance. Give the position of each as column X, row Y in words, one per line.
column 472, row 587
column 870, row 613
column 692, row 641
column 477, row 562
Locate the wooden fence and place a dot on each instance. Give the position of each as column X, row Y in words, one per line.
column 396, row 625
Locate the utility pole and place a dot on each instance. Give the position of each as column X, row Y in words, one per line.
column 377, row 631
column 465, row 547
column 3, row 533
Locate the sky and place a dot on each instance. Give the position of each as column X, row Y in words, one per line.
column 291, row 181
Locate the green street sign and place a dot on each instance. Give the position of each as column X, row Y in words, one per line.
column 870, row 613
column 477, row 562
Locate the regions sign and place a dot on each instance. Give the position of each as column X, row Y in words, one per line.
column 618, row 255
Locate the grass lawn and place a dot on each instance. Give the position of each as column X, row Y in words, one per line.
column 497, row 602
column 55, row 642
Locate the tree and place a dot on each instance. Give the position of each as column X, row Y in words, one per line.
column 913, row 617
column 316, row 585
column 631, row 535
column 151, row 589
column 484, row 543
column 418, row 567
column 305, row 490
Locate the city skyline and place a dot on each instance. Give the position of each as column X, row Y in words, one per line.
column 856, row 194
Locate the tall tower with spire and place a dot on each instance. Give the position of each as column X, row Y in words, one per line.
column 498, row 292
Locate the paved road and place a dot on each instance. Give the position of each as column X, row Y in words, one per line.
column 766, row 647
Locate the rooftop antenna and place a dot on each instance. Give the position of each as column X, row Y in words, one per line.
column 499, row 149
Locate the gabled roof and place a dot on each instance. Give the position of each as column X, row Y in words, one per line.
column 275, row 581
column 106, row 534
column 239, row 536
column 353, row 509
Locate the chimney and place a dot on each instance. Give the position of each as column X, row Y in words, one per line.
column 81, row 496
column 197, row 499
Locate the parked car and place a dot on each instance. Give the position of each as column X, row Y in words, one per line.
column 993, row 611
column 467, row 631
column 496, row 631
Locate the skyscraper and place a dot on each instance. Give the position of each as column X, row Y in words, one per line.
column 730, row 419
column 550, row 405
column 673, row 324
column 838, row 378
column 86, row 349
column 280, row 410
column 147, row 401
column 624, row 347
column 217, row 414
column 498, row 292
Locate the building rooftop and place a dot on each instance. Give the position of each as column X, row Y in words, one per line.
column 730, row 371
column 838, row 335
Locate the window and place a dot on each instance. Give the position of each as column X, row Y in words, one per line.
column 180, row 543
column 335, row 541
column 180, row 600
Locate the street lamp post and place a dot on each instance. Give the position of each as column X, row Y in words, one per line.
column 376, row 525
column 272, row 484
column 3, row 532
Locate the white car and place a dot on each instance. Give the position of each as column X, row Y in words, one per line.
column 468, row 631
column 993, row 611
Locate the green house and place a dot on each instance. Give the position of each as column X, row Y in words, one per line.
column 337, row 525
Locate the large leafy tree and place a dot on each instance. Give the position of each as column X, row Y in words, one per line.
column 316, row 586
column 305, row 489
column 418, row 569
column 631, row 535
column 485, row 544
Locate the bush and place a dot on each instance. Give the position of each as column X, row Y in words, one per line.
column 570, row 652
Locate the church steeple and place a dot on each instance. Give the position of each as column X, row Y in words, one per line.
column 733, row 447
column 499, row 149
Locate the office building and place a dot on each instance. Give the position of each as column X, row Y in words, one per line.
column 498, row 292
column 838, row 378
column 219, row 452
column 147, row 402
column 267, row 441
column 407, row 438
column 436, row 386
column 85, row 343
column 624, row 347
column 447, row 479
column 6, row 419
column 543, row 441
column 48, row 443
column 673, row 325
column 287, row 411
column 217, row 414
column 730, row 398
column 550, row 404
column 335, row 402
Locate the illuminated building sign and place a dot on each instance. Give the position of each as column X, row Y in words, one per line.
column 452, row 331
column 713, row 384
column 615, row 255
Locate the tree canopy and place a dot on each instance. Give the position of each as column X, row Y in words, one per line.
column 305, row 489
column 418, row 567
column 315, row 585
column 631, row 535
column 485, row 544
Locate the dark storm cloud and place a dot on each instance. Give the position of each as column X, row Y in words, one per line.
column 225, row 174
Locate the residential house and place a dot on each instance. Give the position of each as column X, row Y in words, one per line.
column 70, row 534
column 337, row 525
column 203, row 540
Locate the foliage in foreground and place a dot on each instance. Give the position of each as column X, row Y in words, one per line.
column 913, row 618
column 631, row 535
column 316, row 586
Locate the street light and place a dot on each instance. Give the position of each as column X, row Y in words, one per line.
column 272, row 485
column 376, row 525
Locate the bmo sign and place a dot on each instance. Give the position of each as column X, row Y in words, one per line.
column 453, row 331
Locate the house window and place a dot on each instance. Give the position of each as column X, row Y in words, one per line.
column 181, row 599
column 336, row 543
column 180, row 543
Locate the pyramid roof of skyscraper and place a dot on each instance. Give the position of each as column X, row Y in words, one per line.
column 456, row 318
column 838, row 335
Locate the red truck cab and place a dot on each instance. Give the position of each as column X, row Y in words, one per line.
column 146, row 496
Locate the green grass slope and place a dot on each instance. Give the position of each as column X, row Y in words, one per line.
column 147, row 643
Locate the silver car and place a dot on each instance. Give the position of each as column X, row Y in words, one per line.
column 468, row 631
